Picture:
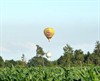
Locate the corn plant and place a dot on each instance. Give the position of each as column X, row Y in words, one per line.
column 50, row 74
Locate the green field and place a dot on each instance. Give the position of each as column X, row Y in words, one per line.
column 50, row 74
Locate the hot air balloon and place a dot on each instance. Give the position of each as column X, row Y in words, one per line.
column 49, row 32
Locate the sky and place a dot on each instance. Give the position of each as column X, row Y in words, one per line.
column 76, row 22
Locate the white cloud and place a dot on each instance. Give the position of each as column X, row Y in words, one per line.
column 3, row 49
column 27, row 45
column 16, row 49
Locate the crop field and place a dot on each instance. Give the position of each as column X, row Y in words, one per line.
column 50, row 74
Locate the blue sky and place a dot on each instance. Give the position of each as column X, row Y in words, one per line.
column 76, row 22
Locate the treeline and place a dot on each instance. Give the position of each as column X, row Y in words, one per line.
column 70, row 58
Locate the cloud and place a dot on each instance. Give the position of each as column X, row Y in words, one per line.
column 24, row 46
column 29, row 45
column 3, row 49
column 14, row 50
column 17, row 47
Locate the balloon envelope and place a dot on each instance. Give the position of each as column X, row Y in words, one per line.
column 49, row 32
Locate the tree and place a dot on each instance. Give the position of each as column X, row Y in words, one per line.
column 68, row 54
column 96, row 60
column 23, row 58
column 97, row 48
column 1, row 62
column 39, row 51
column 9, row 63
column 54, row 63
column 62, row 61
column 66, row 59
column 78, row 57
column 68, row 49
column 38, row 61
column 86, row 58
column 96, row 54
column 21, row 63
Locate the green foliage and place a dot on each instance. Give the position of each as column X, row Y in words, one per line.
column 50, row 74
column 78, row 58
column 38, row 61
column 39, row 50
column 68, row 49
column 97, row 48
column 66, row 59
column 1, row 62
column 21, row 64
column 70, row 58
column 9, row 63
